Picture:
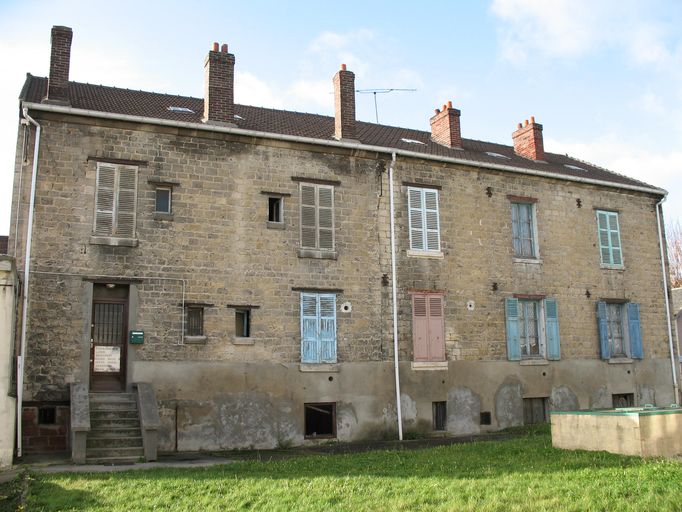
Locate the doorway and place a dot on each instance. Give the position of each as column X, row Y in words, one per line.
column 108, row 337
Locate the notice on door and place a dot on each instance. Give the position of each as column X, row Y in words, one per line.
column 107, row 359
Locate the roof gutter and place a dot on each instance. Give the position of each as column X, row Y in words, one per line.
column 331, row 143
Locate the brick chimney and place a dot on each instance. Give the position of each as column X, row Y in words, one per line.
column 344, row 104
column 60, row 58
column 528, row 140
column 445, row 127
column 219, row 86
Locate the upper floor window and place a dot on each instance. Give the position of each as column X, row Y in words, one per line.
column 115, row 200
column 524, row 238
column 318, row 328
column 317, row 216
column 162, row 202
column 532, row 328
column 619, row 330
column 423, row 219
column 609, row 239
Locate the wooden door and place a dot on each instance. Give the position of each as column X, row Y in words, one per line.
column 108, row 345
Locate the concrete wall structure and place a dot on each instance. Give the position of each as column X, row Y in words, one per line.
column 8, row 295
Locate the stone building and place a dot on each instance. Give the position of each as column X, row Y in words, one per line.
column 239, row 259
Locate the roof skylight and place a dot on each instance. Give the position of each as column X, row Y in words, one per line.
column 497, row 155
column 182, row 110
column 574, row 167
column 412, row 141
column 237, row 116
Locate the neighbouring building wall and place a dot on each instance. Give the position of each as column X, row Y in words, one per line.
column 224, row 391
column 8, row 310
column 677, row 315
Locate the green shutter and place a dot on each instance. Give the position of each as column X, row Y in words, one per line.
column 603, row 326
column 511, row 308
column 552, row 330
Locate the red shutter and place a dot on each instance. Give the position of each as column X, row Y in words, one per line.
column 436, row 328
column 420, row 327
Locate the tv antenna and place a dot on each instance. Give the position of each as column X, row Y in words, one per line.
column 380, row 91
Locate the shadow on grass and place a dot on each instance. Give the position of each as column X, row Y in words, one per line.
column 52, row 496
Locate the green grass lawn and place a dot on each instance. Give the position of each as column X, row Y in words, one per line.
column 525, row 473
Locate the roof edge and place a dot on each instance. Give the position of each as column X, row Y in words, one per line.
column 332, row 143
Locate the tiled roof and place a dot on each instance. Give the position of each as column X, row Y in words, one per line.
column 155, row 105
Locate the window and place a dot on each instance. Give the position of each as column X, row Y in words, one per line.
column 275, row 209
column 534, row 410
column 318, row 328
column 423, row 219
column 320, row 420
column 428, row 327
column 609, row 239
column 242, row 326
column 163, row 200
column 317, row 216
column 194, row 321
column 523, row 230
column 619, row 330
column 115, row 200
column 532, row 329
column 440, row 416
column 47, row 415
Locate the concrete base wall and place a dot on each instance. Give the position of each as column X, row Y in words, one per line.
column 7, row 425
column 8, row 282
column 217, row 406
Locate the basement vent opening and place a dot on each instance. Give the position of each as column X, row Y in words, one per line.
column 440, row 416
column 412, row 141
column 320, row 420
column 574, row 167
column 497, row 155
column 485, row 418
column 621, row 400
column 47, row 415
column 183, row 110
column 535, row 410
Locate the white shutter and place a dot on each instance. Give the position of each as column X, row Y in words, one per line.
column 127, row 198
column 308, row 217
column 104, row 199
column 325, row 212
column 416, row 218
column 431, row 217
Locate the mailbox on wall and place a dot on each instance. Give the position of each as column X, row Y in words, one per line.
column 136, row 337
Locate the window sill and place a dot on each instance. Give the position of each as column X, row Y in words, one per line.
column 274, row 225
column 243, row 341
column 195, row 340
column 429, row 365
column 162, row 216
column 534, row 362
column 319, row 367
column 621, row 360
column 111, row 240
column 412, row 253
column 532, row 261
column 317, row 254
column 611, row 267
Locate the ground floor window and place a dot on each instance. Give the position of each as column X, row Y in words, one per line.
column 320, row 420
column 440, row 416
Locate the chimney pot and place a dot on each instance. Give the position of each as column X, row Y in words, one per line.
column 223, row 48
column 528, row 141
column 344, row 104
column 445, row 126
column 437, row 111
column 215, row 47
column 449, row 104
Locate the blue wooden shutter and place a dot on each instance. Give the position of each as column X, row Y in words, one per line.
column 552, row 330
column 634, row 330
column 603, row 330
column 310, row 341
column 511, row 308
column 327, row 337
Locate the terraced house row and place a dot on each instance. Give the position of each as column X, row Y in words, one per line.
column 267, row 278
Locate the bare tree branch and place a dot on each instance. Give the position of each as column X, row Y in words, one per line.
column 674, row 239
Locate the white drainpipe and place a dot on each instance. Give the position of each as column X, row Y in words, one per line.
column 27, row 264
column 664, row 270
column 394, row 286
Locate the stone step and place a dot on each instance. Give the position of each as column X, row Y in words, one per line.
column 113, row 406
column 114, row 442
column 114, row 430
column 103, row 397
column 107, row 423
column 117, row 414
column 136, row 452
column 112, row 461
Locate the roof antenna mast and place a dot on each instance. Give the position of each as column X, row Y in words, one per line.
column 380, row 91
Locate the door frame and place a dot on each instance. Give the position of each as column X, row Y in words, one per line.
column 122, row 374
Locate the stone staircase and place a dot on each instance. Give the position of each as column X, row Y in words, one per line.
column 115, row 436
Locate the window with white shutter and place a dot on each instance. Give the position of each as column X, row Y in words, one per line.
column 608, row 230
column 115, row 200
column 317, row 217
column 422, row 207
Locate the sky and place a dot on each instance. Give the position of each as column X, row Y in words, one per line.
column 603, row 77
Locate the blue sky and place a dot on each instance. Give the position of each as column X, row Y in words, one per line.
column 604, row 78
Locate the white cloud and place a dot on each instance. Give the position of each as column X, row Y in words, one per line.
column 251, row 90
column 312, row 92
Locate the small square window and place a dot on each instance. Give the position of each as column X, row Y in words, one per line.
column 47, row 415
column 194, row 321
column 440, row 418
column 621, row 400
column 163, row 200
column 320, row 420
column 275, row 209
column 242, row 326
